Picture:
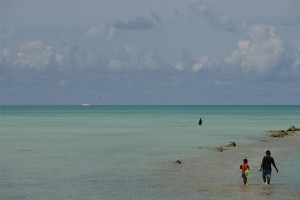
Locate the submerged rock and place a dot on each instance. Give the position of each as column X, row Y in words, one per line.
column 177, row 161
column 226, row 146
column 231, row 144
column 219, row 149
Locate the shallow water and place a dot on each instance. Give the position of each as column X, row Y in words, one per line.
column 127, row 152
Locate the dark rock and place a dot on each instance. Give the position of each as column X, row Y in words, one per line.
column 293, row 128
column 177, row 161
column 280, row 134
column 231, row 144
column 219, row 149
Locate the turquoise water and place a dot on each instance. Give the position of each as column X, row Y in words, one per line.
column 127, row 152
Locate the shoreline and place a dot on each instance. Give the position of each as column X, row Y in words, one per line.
column 219, row 175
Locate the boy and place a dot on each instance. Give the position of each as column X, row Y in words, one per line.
column 243, row 168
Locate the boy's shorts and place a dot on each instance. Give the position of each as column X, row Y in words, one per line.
column 267, row 173
column 243, row 175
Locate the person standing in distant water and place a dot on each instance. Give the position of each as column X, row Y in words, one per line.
column 266, row 167
column 200, row 121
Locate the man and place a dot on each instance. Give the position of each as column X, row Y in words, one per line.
column 266, row 167
column 200, row 122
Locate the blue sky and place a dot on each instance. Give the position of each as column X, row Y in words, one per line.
column 149, row 52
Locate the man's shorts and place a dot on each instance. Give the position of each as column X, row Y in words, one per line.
column 267, row 173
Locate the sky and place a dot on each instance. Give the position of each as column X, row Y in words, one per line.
column 149, row 52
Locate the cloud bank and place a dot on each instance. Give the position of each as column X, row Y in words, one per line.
column 163, row 54
column 263, row 51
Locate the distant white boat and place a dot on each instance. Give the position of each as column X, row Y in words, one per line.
column 85, row 104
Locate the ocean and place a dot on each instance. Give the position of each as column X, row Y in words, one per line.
column 128, row 152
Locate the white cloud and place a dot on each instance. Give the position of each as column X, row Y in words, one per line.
column 149, row 60
column 94, row 31
column 262, row 52
column 129, row 50
column 59, row 58
column 219, row 20
column 111, row 29
column 67, row 56
column 33, row 54
column 131, row 56
column 131, row 59
column 179, row 65
column 112, row 32
column 36, row 54
column 200, row 63
column 183, row 61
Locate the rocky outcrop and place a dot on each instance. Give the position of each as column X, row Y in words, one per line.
column 293, row 128
column 226, row 146
column 219, row 149
column 231, row 144
column 281, row 133
column 284, row 133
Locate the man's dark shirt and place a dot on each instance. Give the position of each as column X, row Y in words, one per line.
column 266, row 163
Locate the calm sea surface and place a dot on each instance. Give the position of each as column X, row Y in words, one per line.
column 127, row 152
